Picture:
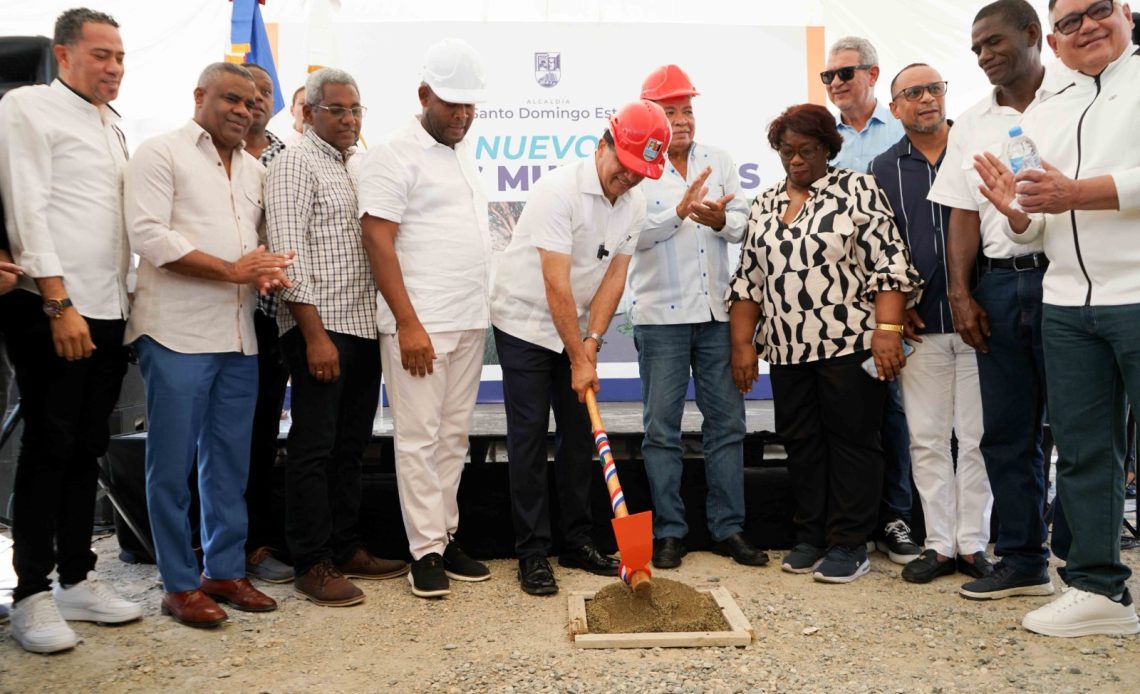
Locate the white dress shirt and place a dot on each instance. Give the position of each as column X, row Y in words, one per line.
column 444, row 241
column 179, row 199
column 984, row 127
column 680, row 271
column 566, row 212
column 61, row 172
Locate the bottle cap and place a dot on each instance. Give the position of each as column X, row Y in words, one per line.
column 1015, row 131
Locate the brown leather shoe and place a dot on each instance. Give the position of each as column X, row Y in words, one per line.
column 364, row 565
column 193, row 608
column 239, row 593
column 324, row 585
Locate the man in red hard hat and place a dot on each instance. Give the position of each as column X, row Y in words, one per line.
column 549, row 310
column 678, row 277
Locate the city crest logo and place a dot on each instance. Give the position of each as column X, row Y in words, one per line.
column 547, row 68
column 652, row 149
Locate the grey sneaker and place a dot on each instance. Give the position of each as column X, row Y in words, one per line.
column 802, row 559
column 1006, row 582
column 843, row 564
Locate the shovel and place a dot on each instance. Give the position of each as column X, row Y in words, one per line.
column 634, row 533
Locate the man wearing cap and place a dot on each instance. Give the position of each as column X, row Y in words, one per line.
column 677, row 278
column 425, row 229
column 558, row 285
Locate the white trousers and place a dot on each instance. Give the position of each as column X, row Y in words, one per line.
column 940, row 394
column 432, row 417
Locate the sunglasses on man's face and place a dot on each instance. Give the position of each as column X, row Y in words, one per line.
column 1071, row 22
column 845, row 74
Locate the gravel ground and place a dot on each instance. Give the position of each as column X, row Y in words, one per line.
column 878, row 634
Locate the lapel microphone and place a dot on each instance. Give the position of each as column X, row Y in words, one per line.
column 602, row 252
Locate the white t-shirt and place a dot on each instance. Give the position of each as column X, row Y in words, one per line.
column 566, row 212
column 444, row 242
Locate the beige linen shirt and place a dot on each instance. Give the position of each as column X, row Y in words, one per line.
column 178, row 199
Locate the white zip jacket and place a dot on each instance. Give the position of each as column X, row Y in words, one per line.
column 1088, row 128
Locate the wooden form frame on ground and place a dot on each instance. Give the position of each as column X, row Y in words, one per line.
column 741, row 633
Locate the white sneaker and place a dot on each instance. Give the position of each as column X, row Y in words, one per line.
column 1080, row 613
column 38, row 626
column 95, row 601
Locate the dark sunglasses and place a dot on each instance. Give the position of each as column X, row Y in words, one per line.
column 914, row 93
column 1071, row 22
column 845, row 74
column 807, row 152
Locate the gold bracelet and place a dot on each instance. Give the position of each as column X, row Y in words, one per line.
column 893, row 327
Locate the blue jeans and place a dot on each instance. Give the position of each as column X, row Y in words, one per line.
column 202, row 403
column 665, row 355
column 896, row 502
column 1092, row 357
column 1012, row 376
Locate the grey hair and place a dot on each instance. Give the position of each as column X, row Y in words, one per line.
column 867, row 53
column 69, row 24
column 315, row 84
column 216, row 70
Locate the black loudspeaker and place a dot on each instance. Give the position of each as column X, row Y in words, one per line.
column 25, row 60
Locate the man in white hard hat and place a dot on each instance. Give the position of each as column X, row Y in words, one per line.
column 556, row 290
column 678, row 278
column 424, row 226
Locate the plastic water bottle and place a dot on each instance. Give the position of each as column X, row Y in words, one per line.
column 1023, row 156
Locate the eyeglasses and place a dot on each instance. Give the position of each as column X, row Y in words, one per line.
column 914, row 93
column 1073, row 21
column 807, row 152
column 845, row 74
column 339, row 112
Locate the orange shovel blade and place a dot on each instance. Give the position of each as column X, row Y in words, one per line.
column 635, row 539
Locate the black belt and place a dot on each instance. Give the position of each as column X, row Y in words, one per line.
column 1022, row 263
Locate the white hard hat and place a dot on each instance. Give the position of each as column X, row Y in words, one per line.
column 454, row 72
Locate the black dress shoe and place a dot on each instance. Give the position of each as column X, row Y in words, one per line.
column 588, row 558
column 536, row 577
column 667, row 552
column 741, row 551
column 979, row 568
column 927, row 568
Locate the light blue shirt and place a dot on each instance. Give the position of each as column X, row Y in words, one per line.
column 881, row 132
column 680, row 271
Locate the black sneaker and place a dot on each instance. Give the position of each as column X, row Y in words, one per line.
column 802, row 559
column 897, row 543
column 1006, row 582
column 843, row 564
column 979, row 568
column 667, row 552
column 428, row 578
column 536, row 577
column 457, row 565
column 927, row 568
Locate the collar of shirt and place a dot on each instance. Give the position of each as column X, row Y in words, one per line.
column 1053, row 82
column 328, row 149
column 881, row 114
column 105, row 112
column 904, row 148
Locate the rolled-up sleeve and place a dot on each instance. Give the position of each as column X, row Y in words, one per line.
column 148, row 199
column 880, row 248
column 1127, row 189
column 289, row 190
column 27, row 183
column 747, row 283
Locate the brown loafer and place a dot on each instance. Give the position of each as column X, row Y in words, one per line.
column 324, row 585
column 238, row 592
column 364, row 565
column 193, row 608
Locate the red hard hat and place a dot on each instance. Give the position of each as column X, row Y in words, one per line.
column 667, row 82
column 641, row 137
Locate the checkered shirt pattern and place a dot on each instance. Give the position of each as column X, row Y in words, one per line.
column 267, row 303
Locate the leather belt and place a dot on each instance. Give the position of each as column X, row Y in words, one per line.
column 1021, row 263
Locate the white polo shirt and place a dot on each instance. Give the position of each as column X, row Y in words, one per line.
column 984, row 127
column 444, row 241
column 566, row 212
column 61, row 173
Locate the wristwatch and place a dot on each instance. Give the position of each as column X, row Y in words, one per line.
column 54, row 307
column 596, row 338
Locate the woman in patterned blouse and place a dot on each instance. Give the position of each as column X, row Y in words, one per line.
column 822, row 286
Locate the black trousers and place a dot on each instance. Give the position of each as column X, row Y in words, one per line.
column 332, row 424
column 66, row 406
column 829, row 414
column 536, row 379
column 266, row 512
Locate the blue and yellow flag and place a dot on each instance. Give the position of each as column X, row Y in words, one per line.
column 250, row 43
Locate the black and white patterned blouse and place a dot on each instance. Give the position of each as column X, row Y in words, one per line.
column 815, row 279
column 267, row 303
